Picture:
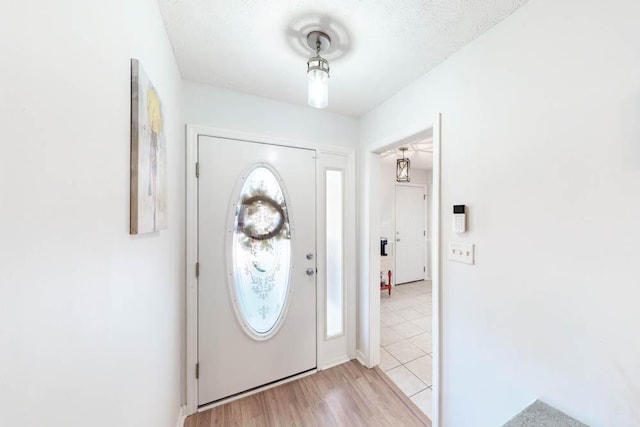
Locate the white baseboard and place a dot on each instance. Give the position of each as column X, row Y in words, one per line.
column 257, row 390
column 335, row 362
column 182, row 415
column 362, row 358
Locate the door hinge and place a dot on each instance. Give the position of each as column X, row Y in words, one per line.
column 424, row 232
column 424, row 269
column 197, row 370
column 197, row 169
column 197, row 269
column 424, row 197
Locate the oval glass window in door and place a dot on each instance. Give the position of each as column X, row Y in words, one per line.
column 261, row 253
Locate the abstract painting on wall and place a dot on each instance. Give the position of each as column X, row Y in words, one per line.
column 148, row 156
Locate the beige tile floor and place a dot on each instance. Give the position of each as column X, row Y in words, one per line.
column 405, row 338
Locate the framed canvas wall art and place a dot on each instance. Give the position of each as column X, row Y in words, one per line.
column 148, row 156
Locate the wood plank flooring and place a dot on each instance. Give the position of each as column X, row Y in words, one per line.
column 346, row 395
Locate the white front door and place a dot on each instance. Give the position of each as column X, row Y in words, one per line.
column 410, row 234
column 256, row 253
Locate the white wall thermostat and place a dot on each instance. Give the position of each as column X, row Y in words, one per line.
column 459, row 219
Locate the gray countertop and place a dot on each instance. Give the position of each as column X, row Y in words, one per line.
column 539, row 414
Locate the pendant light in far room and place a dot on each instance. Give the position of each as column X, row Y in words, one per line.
column 318, row 70
column 402, row 167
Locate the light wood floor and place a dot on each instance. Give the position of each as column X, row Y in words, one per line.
column 347, row 395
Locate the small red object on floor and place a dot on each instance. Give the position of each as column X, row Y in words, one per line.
column 384, row 287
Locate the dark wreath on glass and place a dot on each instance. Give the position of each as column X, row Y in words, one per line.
column 254, row 209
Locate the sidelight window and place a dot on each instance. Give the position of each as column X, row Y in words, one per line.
column 335, row 252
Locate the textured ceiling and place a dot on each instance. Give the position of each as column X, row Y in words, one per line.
column 378, row 46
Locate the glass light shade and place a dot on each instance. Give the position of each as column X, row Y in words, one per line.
column 318, row 88
column 402, row 170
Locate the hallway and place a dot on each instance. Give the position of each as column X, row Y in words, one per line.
column 405, row 338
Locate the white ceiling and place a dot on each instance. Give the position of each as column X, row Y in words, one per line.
column 378, row 46
column 419, row 151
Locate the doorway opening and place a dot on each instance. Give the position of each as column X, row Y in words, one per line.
column 405, row 312
column 408, row 227
column 269, row 263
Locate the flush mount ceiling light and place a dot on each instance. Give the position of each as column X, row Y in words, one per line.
column 318, row 70
column 402, row 167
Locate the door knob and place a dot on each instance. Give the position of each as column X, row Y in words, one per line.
column 310, row 271
column 309, row 255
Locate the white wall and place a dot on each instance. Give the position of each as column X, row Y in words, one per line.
column 541, row 138
column 90, row 317
column 222, row 108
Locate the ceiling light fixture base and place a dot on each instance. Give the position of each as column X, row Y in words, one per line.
column 318, row 36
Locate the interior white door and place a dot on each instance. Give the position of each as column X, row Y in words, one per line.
column 410, row 234
column 256, row 252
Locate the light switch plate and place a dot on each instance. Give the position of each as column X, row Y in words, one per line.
column 461, row 252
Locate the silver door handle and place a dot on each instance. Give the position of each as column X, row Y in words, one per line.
column 310, row 271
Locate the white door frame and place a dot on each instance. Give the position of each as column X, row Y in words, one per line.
column 370, row 354
column 191, row 358
column 424, row 225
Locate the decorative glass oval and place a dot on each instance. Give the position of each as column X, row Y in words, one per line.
column 261, row 253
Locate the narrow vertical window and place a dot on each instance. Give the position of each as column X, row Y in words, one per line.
column 334, row 256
